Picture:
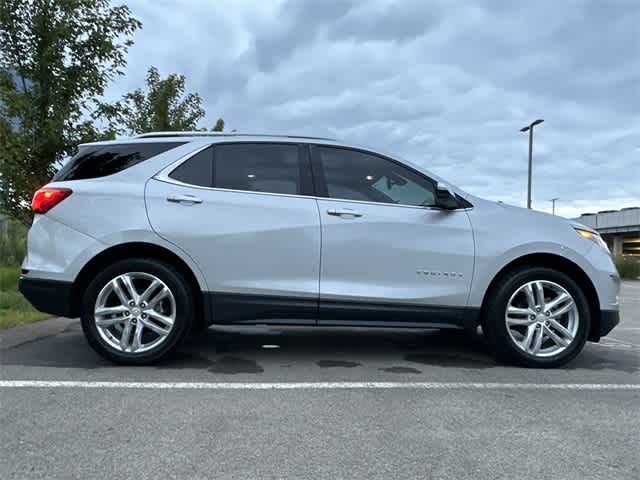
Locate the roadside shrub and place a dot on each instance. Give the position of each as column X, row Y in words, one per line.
column 628, row 267
column 9, row 278
column 13, row 244
column 14, row 308
column 14, row 301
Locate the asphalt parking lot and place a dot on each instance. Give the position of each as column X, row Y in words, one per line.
column 419, row 404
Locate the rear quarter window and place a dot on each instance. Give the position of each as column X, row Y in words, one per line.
column 197, row 170
column 102, row 160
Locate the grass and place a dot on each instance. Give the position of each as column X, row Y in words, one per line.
column 13, row 242
column 14, row 308
column 628, row 267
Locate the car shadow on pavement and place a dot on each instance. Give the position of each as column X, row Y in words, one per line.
column 231, row 350
column 348, row 348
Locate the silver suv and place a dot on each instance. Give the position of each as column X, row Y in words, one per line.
column 149, row 238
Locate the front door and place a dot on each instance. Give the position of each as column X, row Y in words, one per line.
column 389, row 256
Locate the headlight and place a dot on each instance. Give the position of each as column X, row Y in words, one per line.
column 594, row 237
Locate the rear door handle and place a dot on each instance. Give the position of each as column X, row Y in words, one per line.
column 343, row 212
column 184, row 199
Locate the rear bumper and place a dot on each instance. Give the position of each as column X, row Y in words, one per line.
column 48, row 296
column 608, row 320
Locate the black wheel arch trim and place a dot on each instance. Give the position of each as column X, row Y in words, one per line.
column 129, row 250
column 564, row 265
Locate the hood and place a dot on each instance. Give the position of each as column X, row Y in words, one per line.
column 525, row 215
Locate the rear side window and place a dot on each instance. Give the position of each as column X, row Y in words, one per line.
column 102, row 160
column 258, row 167
column 197, row 170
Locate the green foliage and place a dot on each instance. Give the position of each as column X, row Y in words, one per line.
column 219, row 126
column 56, row 58
column 628, row 267
column 14, row 308
column 9, row 278
column 13, row 244
column 164, row 106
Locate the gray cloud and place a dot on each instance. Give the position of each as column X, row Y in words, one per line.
column 445, row 84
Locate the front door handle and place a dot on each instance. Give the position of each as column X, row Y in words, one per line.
column 343, row 212
column 184, row 199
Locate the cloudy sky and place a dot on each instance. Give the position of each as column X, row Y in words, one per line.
column 447, row 84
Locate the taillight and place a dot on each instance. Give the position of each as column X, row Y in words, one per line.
column 47, row 198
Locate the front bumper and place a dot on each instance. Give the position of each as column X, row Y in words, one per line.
column 49, row 296
column 608, row 320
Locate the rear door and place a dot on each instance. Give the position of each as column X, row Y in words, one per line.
column 244, row 213
column 389, row 256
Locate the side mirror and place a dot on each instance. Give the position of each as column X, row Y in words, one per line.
column 445, row 197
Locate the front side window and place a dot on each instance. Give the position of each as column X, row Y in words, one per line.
column 355, row 175
column 258, row 167
column 94, row 161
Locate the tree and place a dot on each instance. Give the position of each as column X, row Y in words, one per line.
column 56, row 58
column 219, row 126
column 164, row 106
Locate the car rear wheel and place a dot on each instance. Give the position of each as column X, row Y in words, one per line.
column 137, row 311
column 537, row 317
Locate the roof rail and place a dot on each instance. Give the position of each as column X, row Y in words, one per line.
column 223, row 134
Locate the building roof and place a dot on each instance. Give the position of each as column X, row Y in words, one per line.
column 613, row 221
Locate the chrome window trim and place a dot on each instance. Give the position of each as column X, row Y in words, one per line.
column 163, row 176
column 217, row 189
column 312, row 197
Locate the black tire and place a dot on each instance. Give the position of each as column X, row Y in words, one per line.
column 495, row 326
column 184, row 304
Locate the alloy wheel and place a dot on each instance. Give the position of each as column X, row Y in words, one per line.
column 542, row 318
column 135, row 312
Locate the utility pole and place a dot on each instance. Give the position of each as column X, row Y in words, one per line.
column 529, row 128
column 553, row 205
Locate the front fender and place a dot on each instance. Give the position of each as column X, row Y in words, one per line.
column 488, row 266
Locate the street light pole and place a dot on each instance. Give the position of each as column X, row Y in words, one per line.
column 553, row 205
column 529, row 128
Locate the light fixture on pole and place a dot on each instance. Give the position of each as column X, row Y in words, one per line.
column 553, row 205
column 529, row 128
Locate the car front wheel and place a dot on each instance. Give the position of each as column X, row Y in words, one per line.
column 537, row 317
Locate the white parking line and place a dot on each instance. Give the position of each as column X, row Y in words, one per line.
column 316, row 385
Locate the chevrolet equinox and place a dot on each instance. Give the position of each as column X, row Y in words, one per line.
column 149, row 238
